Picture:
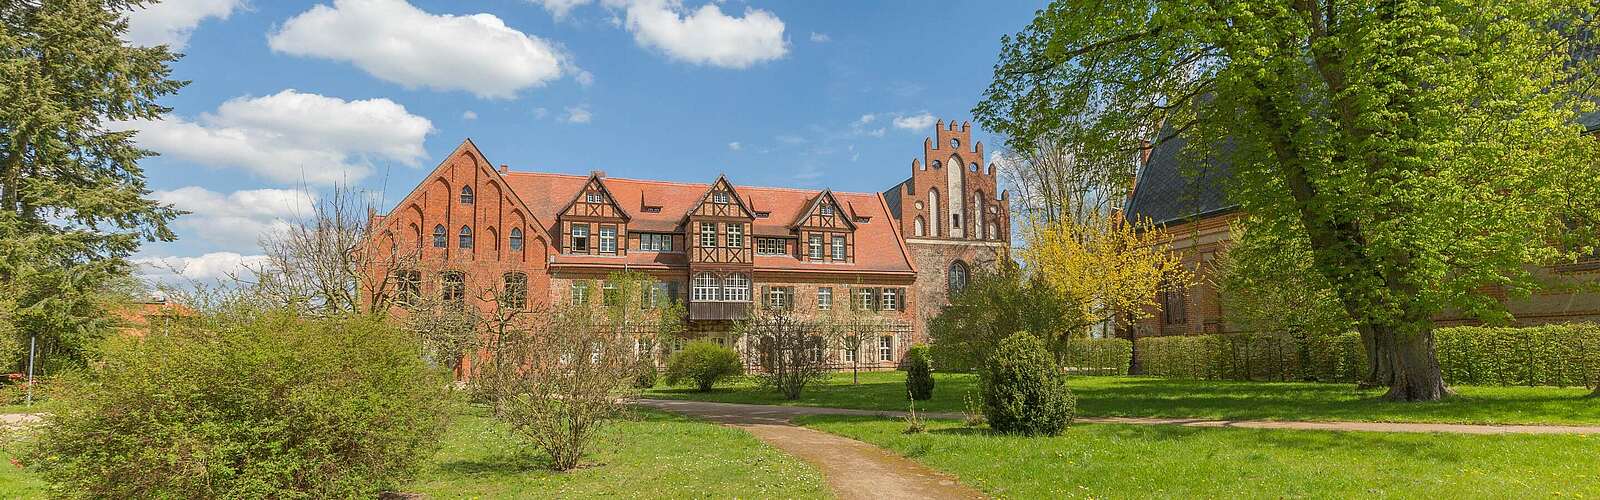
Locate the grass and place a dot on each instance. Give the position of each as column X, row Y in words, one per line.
column 653, row 455
column 1121, row 461
column 1155, row 397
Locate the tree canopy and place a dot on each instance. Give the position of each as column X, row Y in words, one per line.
column 1421, row 149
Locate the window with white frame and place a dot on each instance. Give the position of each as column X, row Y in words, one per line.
column 580, row 238
column 735, row 235
column 838, row 247
column 779, row 297
column 886, row 348
column 719, row 197
column 825, row 210
column 865, row 299
column 890, row 300
column 705, row 288
column 655, row 242
column 824, row 298
column 708, row 234
column 850, row 353
column 580, row 293
column 736, row 288
column 815, row 250
column 608, row 239
column 814, row 348
column 769, row 246
column 594, row 197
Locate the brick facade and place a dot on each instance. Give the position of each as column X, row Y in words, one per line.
column 747, row 240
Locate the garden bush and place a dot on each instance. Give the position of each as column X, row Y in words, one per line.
column 1098, row 356
column 260, row 406
column 1564, row 355
column 704, row 364
column 646, row 377
column 919, row 373
column 1024, row 392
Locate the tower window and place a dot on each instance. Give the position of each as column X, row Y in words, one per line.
column 973, row 167
column 935, row 164
column 955, row 143
column 466, row 195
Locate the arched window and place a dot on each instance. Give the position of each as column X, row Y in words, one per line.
column 973, row 167
column 466, row 237
column 736, row 288
column 705, row 287
column 440, row 237
column 994, row 232
column 935, row 164
column 516, row 290
column 958, row 277
column 466, row 195
column 516, row 239
column 454, row 287
column 920, row 226
column 933, row 211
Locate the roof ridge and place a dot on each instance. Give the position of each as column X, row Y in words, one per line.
column 688, row 184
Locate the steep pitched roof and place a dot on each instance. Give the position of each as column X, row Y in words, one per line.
column 1172, row 189
column 839, row 209
column 877, row 242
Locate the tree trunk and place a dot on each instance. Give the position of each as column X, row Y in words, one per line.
column 1412, row 364
column 1378, row 372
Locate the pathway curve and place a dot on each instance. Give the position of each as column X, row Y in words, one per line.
column 784, row 413
column 852, row 468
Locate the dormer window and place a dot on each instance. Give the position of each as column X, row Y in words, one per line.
column 466, row 195
column 594, row 197
column 720, row 197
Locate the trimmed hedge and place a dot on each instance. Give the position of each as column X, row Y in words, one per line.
column 1023, row 390
column 919, row 373
column 1558, row 355
column 1098, row 356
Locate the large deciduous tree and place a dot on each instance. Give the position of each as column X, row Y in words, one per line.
column 73, row 201
column 1422, row 149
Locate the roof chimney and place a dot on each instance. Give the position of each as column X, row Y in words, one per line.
column 504, row 168
column 598, row 173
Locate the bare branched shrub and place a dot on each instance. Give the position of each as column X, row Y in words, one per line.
column 792, row 351
column 330, row 261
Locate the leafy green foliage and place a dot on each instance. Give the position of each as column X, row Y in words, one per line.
column 646, row 377
column 992, row 307
column 1419, row 149
column 1564, row 355
column 919, row 373
column 72, row 195
column 264, row 405
column 1267, row 283
column 1024, row 392
column 704, row 364
column 1098, row 356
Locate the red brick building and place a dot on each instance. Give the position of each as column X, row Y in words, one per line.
column 720, row 247
column 1190, row 203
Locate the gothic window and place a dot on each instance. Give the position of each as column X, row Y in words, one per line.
column 838, row 248
column 920, row 227
column 408, row 287
column 516, row 290
column 466, row 195
column 958, row 277
column 994, row 232
column 465, row 237
column 516, row 239
column 705, row 287
column 736, row 288
column 580, row 238
column 815, row 250
column 440, row 236
column 454, row 287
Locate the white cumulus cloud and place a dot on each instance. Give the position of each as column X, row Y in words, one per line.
column 397, row 42
column 560, row 8
column 237, row 219
column 204, row 268
column 579, row 114
column 705, row 35
column 172, row 21
column 469, row 115
column 292, row 137
column 917, row 122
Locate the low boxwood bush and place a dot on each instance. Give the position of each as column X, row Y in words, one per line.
column 1098, row 356
column 1564, row 355
column 919, row 373
column 267, row 406
column 704, row 364
column 1024, row 392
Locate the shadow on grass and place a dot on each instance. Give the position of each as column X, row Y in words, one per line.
column 505, row 464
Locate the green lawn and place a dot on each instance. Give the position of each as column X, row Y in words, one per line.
column 1155, row 397
column 655, row 455
column 1123, row 461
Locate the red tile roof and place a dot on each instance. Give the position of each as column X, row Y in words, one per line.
column 878, row 244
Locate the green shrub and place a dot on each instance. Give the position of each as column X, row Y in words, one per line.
column 1024, row 392
column 1098, row 356
column 919, row 373
column 646, row 377
column 269, row 406
column 704, row 364
column 1556, row 355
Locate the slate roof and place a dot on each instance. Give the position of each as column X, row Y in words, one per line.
column 1171, row 189
column 1591, row 121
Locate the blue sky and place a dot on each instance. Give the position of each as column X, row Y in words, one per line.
column 288, row 98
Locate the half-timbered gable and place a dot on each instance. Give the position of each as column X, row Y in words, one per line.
column 594, row 222
column 826, row 231
column 719, row 227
